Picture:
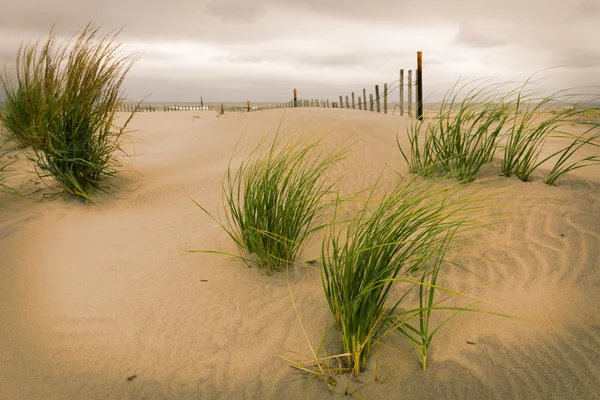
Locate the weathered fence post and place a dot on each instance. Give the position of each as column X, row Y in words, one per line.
column 364, row 99
column 377, row 98
column 353, row 100
column 201, row 102
column 295, row 98
column 248, row 105
column 371, row 102
column 385, row 98
column 409, row 92
column 419, row 86
column 347, row 105
column 401, row 92
column 327, row 103
column 222, row 109
column 359, row 104
column 341, row 101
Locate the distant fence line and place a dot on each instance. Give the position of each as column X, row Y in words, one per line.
column 135, row 107
column 352, row 101
column 377, row 101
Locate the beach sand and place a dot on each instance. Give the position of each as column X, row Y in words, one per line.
column 105, row 302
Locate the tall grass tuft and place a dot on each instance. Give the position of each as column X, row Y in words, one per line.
column 534, row 121
column 64, row 106
column 461, row 137
column 406, row 233
column 275, row 200
column 477, row 120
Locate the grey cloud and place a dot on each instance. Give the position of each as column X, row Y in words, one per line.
column 542, row 33
column 234, row 58
column 589, row 7
column 475, row 36
column 577, row 57
column 234, row 10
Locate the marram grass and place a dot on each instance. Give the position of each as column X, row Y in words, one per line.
column 463, row 135
column 276, row 200
column 64, row 104
column 406, row 233
column 477, row 121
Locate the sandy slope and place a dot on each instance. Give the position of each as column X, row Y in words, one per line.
column 90, row 296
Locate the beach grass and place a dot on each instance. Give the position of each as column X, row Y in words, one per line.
column 408, row 232
column 276, row 200
column 463, row 135
column 478, row 120
column 535, row 120
column 64, row 104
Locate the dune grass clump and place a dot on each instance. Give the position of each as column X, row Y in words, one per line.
column 463, row 135
column 64, row 105
column 406, row 234
column 471, row 128
column 534, row 121
column 276, row 200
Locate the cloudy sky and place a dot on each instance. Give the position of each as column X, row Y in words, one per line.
column 234, row 50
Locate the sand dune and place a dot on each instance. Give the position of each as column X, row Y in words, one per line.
column 93, row 295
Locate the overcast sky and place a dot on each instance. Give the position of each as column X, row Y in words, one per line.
column 237, row 50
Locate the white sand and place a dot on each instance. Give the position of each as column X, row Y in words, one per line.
column 92, row 295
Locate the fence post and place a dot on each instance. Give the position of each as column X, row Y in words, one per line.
column 420, row 86
column 377, row 98
column 359, row 104
column 347, row 105
column 248, row 105
column 353, row 100
column 295, row 98
column 409, row 92
column 327, row 103
column 222, row 109
column 401, row 92
column 364, row 99
column 385, row 98
column 371, row 101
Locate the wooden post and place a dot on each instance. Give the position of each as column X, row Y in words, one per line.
column 222, row 109
column 359, row 104
column 295, row 98
column 419, row 85
column 385, row 98
column 347, row 105
column 327, row 103
column 371, row 101
column 401, row 92
column 248, row 105
column 364, row 99
column 409, row 92
column 353, row 100
column 341, row 102
column 377, row 98
column 201, row 102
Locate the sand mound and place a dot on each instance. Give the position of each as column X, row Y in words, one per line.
column 105, row 302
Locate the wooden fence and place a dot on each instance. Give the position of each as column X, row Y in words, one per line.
column 378, row 101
